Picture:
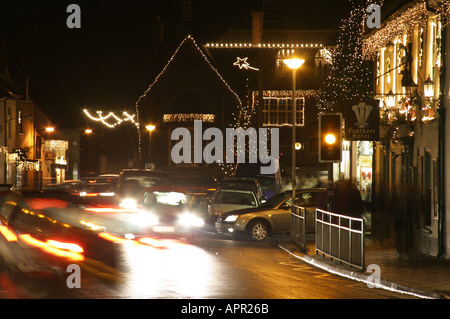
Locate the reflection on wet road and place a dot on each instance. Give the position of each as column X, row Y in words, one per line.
column 176, row 270
column 212, row 267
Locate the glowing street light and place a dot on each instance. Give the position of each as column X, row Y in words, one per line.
column 150, row 128
column 293, row 64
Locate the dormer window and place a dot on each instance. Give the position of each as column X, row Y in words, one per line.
column 322, row 61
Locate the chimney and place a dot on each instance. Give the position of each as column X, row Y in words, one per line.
column 257, row 27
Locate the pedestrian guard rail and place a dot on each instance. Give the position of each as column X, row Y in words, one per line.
column 337, row 236
column 298, row 226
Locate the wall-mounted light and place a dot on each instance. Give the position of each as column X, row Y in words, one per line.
column 390, row 47
column 390, row 99
column 428, row 87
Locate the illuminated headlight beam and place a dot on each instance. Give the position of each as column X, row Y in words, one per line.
column 189, row 219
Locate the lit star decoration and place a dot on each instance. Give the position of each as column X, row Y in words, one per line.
column 147, row 91
column 243, row 64
column 111, row 120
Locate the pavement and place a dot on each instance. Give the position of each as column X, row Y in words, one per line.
column 416, row 275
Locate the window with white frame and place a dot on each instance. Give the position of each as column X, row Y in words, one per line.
column 278, row 111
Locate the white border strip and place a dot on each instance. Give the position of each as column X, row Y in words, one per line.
column 390, row 286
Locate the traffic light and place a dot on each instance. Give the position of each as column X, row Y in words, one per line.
column 330, row 137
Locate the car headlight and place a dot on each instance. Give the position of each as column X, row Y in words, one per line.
column 189, row 219
column 144, row 219
column 231, row 218
column 128, row 203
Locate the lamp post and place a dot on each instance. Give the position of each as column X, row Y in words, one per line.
column 150, row 128
column 293, row 64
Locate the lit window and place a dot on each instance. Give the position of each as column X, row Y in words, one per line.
column 278, row 111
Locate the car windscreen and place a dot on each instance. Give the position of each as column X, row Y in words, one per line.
column 240, row 185
column 311, row 199
column 164, row 198
column 275, row 200
column 267, row 183
column 235, row 198
column 145, row 181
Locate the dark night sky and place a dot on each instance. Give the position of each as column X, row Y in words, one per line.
column 111, row 60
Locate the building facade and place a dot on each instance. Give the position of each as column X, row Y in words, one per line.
column 252, row 61
column 188, row 89
column 409, row 160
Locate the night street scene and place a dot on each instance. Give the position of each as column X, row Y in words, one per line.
column 151, row 150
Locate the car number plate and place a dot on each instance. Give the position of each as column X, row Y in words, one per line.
column 164, row 229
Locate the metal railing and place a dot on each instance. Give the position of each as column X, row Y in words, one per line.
column 298, row 226
column 340, row 237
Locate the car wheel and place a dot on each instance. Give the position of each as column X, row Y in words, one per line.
column 259, row 230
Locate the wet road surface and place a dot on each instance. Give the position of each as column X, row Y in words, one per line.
column 213, row 267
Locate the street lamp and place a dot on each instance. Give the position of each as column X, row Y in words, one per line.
column 150, row 129
column 293, row 64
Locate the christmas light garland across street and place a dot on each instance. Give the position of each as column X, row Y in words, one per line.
column 104, row 119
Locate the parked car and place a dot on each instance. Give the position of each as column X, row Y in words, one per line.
column 271, row 217
column 110, row 179
column 7, row 187
column 68, row 185
column 270, row 183
column 225, row 200
column 250, row 184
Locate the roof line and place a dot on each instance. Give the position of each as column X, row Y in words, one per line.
column 188, row 37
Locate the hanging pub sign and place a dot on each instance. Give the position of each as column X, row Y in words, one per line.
column 362, row 120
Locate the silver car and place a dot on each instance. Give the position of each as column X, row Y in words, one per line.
column 272, row 216
column 225, row 200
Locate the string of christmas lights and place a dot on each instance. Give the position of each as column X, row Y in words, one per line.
column 264, row 45
column 189, row 117
column 286, row 94
column 187, row 38
column 403, row 22
column 147, row 91
column 409, row 24
column 351, row 73
column 106, row 120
